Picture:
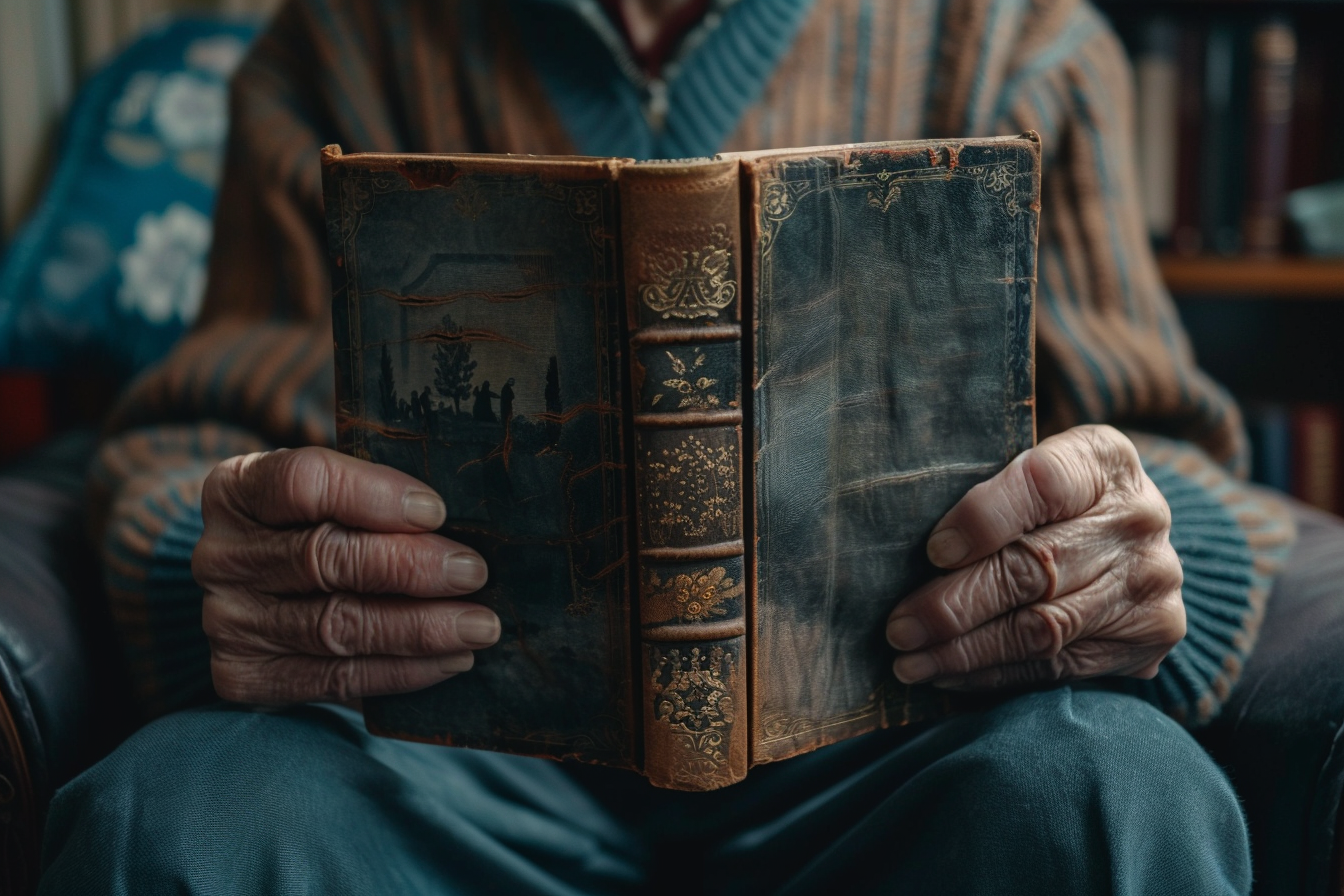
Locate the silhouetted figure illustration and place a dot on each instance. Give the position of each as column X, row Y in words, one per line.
column 482, row 409
column 427, row 410
column 387, row 388
column 417, row 412
column 553, row 401
column 506, row 402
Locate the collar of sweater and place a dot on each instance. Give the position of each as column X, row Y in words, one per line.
column 610, row 107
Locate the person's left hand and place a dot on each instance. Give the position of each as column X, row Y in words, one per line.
column 1062, row 569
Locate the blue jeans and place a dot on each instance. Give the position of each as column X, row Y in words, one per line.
column 1063, row 791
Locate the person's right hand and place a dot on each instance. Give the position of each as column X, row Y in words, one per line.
column 324, row 581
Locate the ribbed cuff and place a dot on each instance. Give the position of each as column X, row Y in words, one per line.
column 173, row 604
column 1232, row 540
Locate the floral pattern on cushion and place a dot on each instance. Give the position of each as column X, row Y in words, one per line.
column 109, row 271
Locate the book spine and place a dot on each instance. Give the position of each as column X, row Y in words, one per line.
column 1187, row 237
column 1223, row 136
column 1274, row 49
column 682, row 252
column 1317, row 430
column 1157, row 82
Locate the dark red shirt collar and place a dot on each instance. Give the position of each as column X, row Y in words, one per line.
column 673, row 30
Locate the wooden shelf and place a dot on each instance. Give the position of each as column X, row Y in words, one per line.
column 1287, row 278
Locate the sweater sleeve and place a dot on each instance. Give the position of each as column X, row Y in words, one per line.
column 1111, row 347
column 1232, row 538
column 254, row 374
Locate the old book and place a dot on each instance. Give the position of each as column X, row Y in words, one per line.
column 698, row 416
column 1274, row 60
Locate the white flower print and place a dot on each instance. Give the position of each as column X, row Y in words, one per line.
column 163, row 272
column 218, row 55
column 190, row 112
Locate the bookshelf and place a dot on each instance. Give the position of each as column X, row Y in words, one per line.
column 1239, row 103
column 1283, row 278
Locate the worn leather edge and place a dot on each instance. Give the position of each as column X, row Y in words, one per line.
column 20, row 785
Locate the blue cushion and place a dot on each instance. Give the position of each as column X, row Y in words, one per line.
column 110, row 269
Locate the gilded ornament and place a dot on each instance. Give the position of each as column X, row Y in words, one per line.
column 691, row 283
column 691, row 493
column 695, row 393
column 696, row 597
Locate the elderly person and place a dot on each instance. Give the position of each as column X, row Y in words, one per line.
column 1121, row 572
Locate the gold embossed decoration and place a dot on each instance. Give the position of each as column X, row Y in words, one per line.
column 691, row 493
column 691, row 283
column 695, row 391
column 695, row 597
column 691, row 696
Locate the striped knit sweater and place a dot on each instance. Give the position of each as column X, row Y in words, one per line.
column 554, row 76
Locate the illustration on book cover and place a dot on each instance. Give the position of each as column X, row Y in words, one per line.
column 482, row 362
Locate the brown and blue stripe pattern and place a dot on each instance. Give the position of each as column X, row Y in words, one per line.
column 546, row 76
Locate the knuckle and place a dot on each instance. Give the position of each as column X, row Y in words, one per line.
column 329, row 552
column 215, row 621
column 1057, row 473
column 341, row 680
column 342, row 627
column 205, row 560
column 1154, row 574
column 1027, row 570
column 227, row 626
column 1149, row 515
column 1171, row 622
column 1041, row 630
column 229, row 684
column 301, row 479
column 225, row 490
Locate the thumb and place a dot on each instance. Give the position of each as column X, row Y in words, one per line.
column 1061, row 478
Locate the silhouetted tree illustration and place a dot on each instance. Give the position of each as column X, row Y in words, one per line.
column 453, row 366
column 553, row 400
column 387, row 387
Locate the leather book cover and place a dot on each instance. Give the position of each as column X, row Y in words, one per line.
column 479, row 335
column 893, row 369
column 699, row 417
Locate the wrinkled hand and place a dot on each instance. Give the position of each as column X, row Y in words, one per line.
column 1062, row 569
column 324, row 581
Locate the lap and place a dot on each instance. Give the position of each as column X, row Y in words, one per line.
column 304, row 800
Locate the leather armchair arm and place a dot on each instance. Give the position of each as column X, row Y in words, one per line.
column 60, row 704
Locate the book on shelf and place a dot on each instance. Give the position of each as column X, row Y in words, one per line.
column 1298, row 448
column 699, row 417
column 1233, row 112
column 1273, row 62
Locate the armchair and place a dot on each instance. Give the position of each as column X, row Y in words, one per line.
column 62, row 690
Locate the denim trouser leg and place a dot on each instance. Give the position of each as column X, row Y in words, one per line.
column 1062, row 791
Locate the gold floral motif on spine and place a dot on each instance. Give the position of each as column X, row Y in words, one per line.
column 691, row 492
column 690, row 283
column 696, row 392
column 694, row 597
column 692, row 697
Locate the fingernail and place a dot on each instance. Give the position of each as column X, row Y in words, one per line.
column 948, row 547
column 906, row 633
column 915, row 668
column 478, row 628
column 424, row 510
column 465, row 572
